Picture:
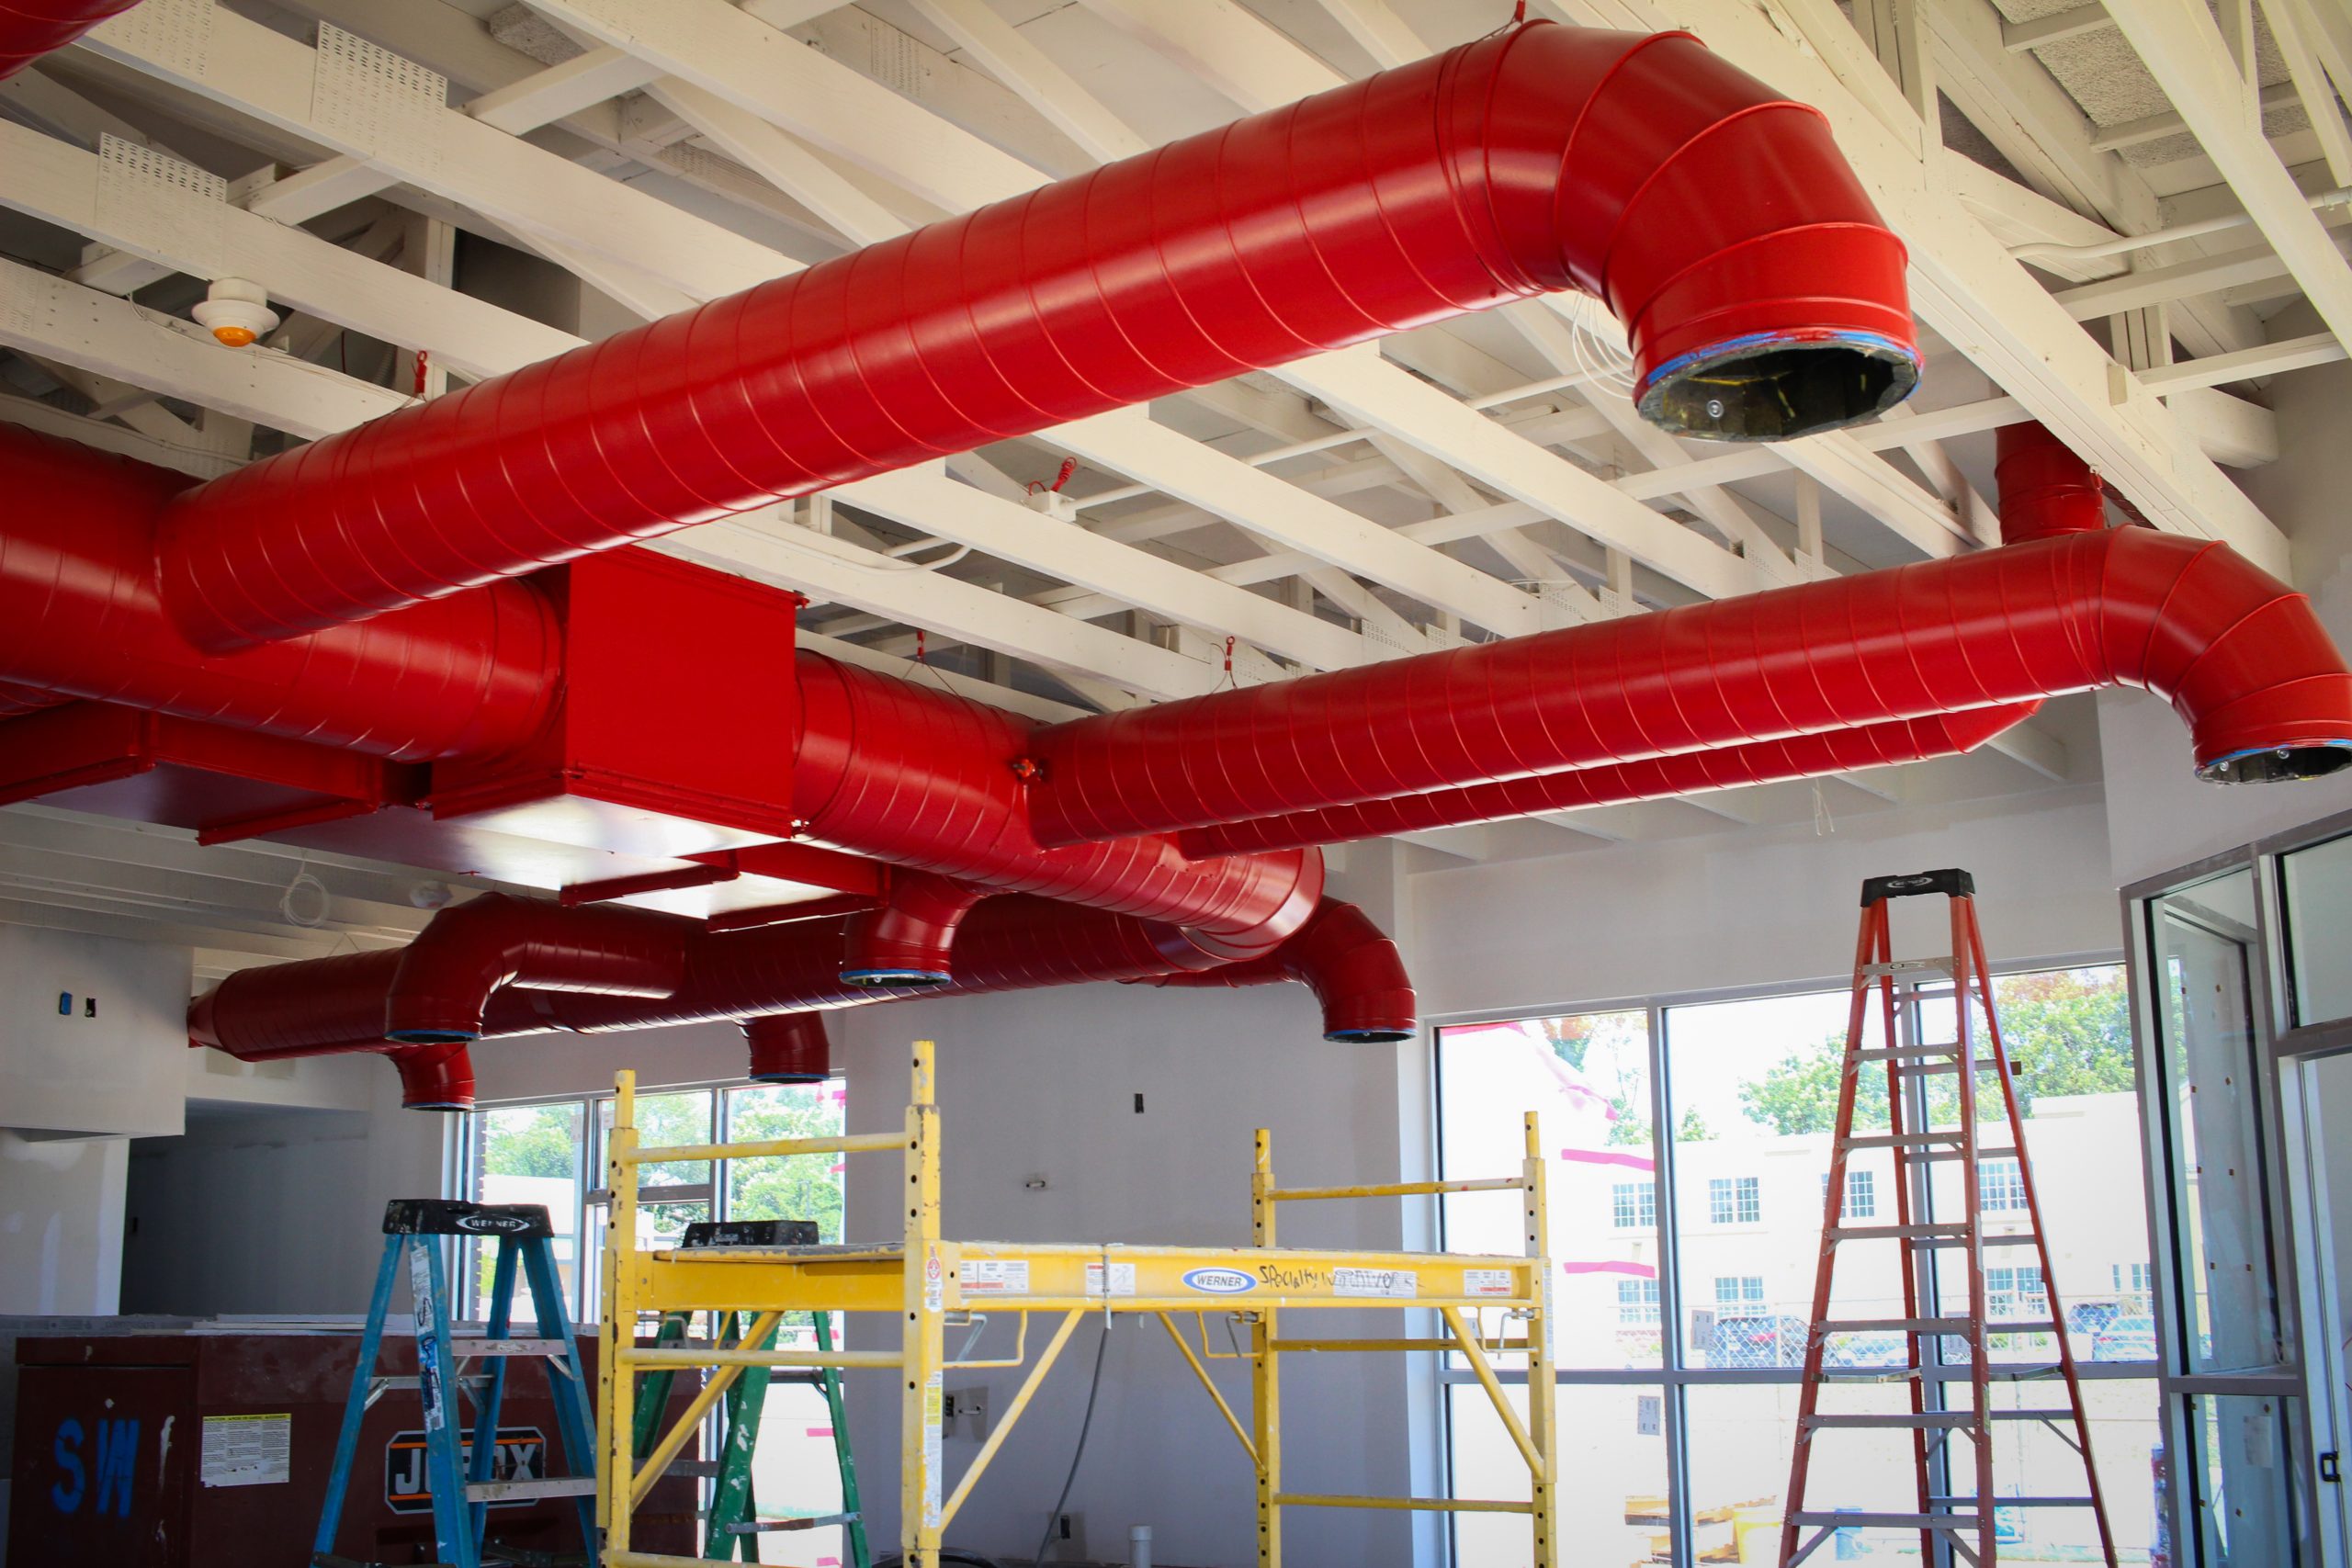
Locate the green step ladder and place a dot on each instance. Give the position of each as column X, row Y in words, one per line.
column 734, row 1524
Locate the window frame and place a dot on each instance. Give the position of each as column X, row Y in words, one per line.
column 1675, row 1378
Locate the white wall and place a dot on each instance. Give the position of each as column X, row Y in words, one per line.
column 116, row 1072
column 60, row 1223
column 1754, row 906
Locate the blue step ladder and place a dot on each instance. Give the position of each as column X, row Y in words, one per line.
column 413, row 1229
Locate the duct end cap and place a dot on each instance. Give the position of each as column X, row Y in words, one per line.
column 2278, row 765
column 1779, row 386
column 887, row 979
column 1368, row 1036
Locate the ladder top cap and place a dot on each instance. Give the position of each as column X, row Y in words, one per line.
column 1952, row 882
column 443, row 1216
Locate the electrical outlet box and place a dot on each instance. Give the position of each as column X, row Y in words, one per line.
column 966, row 1411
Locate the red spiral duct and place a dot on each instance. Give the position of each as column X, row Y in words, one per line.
column 30, row 28
column 318, row 1006
column 1654, row 778
column 2240, row 656
column 469, row 951
column 789, row 1047
column 80, row 617
column 1763, row 298
column 929, row 781
column 1350, row 964
column 16, row 701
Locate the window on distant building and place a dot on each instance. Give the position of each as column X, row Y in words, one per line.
column 2131, row 1279
column 2015, row 1292
column 1861, row 1195
column 1739, row 1295
column 1633, row 1205
column 1637, row 1303
column 2001, row 1182
column 1735, row 1200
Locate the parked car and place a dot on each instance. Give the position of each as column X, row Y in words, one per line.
column 2126, row 1340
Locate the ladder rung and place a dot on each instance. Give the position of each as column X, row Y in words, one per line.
column 468, row 1347
column 1901, row 1140
column 2023, row 1238
column 2064, row 1413
column 549, row 1487
column 1916, row 1421
column 1982, row 1152
column 1940, row 964
column 2029, row 1325
column 1896, row 1325
column 409, row 1382
column 1886, row 1521
column 1957, row 1230
column 1869, row 1374
column 1895, row 1053
column 814, row 1522
column 1932, row 1070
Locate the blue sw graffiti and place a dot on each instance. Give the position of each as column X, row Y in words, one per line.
column 116, row 1467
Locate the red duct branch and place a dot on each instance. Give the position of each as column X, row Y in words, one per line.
column 1656, row 778
column 469, row 951
column 2240, row 656
column 789, row 1047
column 325, row 1006
column 2045, row 488
column 1763, row 298
column 907, row 941
column 30, row 28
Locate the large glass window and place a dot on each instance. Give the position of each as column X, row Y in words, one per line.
column 1701, row 1267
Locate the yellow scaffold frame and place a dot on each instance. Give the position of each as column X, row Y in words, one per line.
column 926, row 1279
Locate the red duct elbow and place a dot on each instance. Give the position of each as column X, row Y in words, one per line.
column 2045, row 488
column 446, row 975
column 789, row 1047
column 80, row 616
column 2240, row 657
column 1763, row 298
column 1654, row 778
column 30, row 28
column 16, row 701
column 1352, row 967
column 907, row 941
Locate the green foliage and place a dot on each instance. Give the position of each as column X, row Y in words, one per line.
column 804, row 1186
column 532, row 1140
column 1610, row 1049
column 2068, row 1031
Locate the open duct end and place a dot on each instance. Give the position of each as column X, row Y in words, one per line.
column 1780, row 386
column 1368, row 1036
column 2280, row 764
column 789, row 1047
column 436, row 1078
column 884, row 979
column 433, row 1036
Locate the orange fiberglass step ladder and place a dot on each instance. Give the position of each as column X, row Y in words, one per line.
column 1951, row 1418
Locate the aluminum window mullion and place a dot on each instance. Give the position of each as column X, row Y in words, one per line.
column 1673, row 1422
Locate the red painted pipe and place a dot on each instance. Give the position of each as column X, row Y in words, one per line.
column 1654, row 778
column 469, row 951
column 907, row 941
column 789, row 1047
column 30, row 28
column 16, row 701
column 320, row 1005
column 1763, row 298
column 929, row 781
column 2240, row 656
column 80, row 617
column 2045, row 488
column 1351, row 965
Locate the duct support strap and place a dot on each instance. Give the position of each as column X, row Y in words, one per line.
column 1763, row 298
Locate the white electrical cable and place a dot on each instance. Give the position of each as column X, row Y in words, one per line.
column 315, row 893
column 2126, row 243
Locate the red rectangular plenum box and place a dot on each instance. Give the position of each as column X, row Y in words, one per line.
column 112, row 1439
column 677, row 727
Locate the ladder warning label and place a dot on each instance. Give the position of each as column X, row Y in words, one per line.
column 934, row 1408
column 1485, row 1281
column 996, row 1276
column 247, row 1451
column 1122, row 1279
column 1396, row 1284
